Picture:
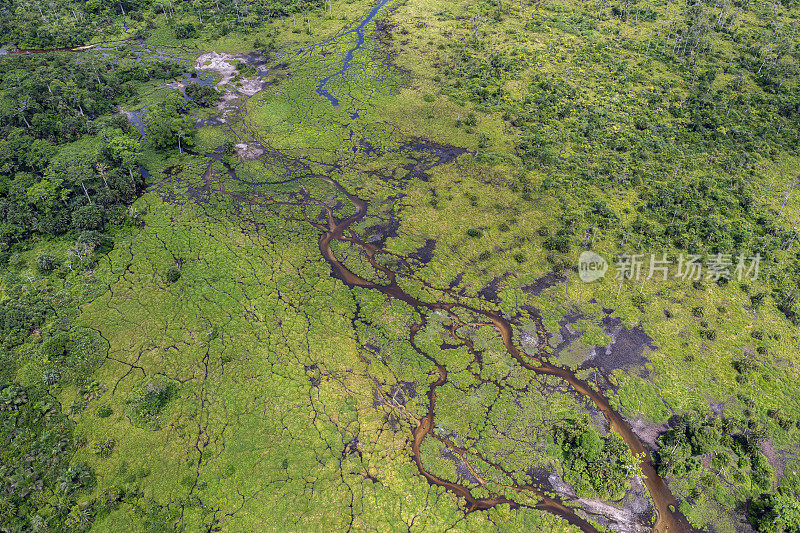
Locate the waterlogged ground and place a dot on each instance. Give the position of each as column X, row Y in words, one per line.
column 297, row 394
column 342, row 358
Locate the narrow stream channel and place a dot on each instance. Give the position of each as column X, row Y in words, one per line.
column 359, row 31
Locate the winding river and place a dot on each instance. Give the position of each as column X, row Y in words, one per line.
column 668, row 519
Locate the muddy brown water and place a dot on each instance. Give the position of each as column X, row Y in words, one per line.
column 668, row 519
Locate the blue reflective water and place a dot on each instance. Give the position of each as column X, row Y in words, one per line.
column 359, row 30
column 203, row 82
column 137, row 119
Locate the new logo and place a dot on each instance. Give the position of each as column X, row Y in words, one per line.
column 591, row 266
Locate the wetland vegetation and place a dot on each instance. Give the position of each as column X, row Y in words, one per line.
column 317, row 265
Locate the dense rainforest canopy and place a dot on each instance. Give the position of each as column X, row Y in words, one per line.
column 63, row 24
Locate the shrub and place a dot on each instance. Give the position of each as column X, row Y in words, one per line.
column 203, row 95
column 103, row 448
column 146, row 405
column 12, row 397
column 173, row 274
column 596, row 465
column 557, row 243
column 709, row 334
column 46, row 263
column 245, row 70
column 88, row 217
column 757, row 299
column 185, row 31
column 51, row 376
column 228, row 148
column 96, row 240
column 55, row 348
column 475, row 233
column 778, row 511
column 76, row 478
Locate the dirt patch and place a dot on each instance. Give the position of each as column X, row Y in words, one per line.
column 227, row 97
column 561, row 487
column 648, row 433
column 247, row 151
column 216, row 121
column 529, row 340
column 623, row 520
column 771, row 454
column 225, row 65
column 633, row 514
